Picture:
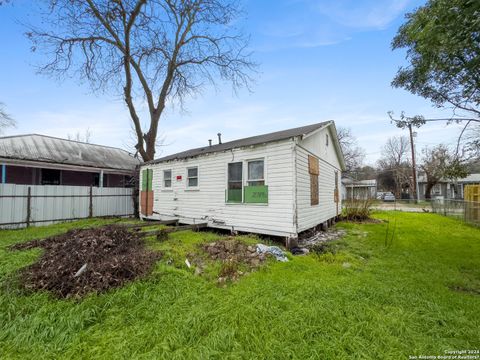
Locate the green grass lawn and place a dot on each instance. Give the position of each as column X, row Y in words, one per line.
column 418, row 293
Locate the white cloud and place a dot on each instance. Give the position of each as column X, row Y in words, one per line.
column 363, row 14
column 312, row 23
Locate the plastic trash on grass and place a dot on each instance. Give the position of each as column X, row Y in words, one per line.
column 274, row 250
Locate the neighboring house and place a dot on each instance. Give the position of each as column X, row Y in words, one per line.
column 448, row 189
column 45, row 160
column 278, row 184
column 359, row 189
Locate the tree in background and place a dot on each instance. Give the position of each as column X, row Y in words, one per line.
column 439, row 163
column 366, row 172
column 353, row 154
column 443, row 49
column 87, row 135
column 394, row 165
column 471, row 145
column 5, row 119
column 152, row 52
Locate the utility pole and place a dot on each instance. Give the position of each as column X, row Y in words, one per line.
column 409, row 122
column 414, row 167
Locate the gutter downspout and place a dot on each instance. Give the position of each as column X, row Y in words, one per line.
column 4, row 173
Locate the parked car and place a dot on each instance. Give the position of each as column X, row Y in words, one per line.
column 389, row 197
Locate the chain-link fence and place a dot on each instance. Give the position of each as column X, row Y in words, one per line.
column 467, row 211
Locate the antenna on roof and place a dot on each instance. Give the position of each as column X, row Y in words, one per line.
column 219, row 138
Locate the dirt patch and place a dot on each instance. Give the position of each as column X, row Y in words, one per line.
column 87, row 260
column 465, row 290
column 234, row 255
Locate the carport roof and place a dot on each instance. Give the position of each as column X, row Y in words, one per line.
column 42, row 148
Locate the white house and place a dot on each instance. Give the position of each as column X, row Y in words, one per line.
column 278, row 184
column 359, row 189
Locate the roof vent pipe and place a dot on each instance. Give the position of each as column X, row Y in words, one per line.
column 209, row 142
column 219, row 138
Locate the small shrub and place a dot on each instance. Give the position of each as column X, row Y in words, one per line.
column 357, row 209
column 328, row 247
column 323, row 248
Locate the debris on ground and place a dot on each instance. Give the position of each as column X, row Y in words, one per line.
column 234, row 250
column 319, row 237
column 235, row 256
column 273, row 250
column 299, row 251
column 87, row 260
column 315, row 241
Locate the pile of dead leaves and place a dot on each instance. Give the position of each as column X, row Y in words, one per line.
column 87, row 260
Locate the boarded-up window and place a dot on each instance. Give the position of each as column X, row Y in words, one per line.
column 313, row 169
column 146, row 193
column 335, row 192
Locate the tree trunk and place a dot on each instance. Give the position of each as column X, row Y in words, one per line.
column 428, row 190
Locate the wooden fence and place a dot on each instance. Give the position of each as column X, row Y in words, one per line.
column 35, row 205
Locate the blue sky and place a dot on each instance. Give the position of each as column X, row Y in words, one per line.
column 319, row 60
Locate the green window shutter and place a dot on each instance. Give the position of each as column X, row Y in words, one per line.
column 256, row 194
column 150, row 177
column 144, row 180
column 147, row 176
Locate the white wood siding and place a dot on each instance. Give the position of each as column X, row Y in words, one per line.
column 308, row 215
column 207, row 203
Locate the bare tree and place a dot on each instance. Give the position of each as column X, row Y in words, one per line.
column 395, row 159
column 353, row 154
column 155, row 52
column 5, row 119
column 87, row 135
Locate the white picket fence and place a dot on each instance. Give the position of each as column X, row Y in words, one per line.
column 36, row 205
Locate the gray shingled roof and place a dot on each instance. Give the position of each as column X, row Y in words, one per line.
column 34, row 147
column 254, row 140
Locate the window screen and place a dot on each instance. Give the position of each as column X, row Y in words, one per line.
column 167, row 178
column 235, row 179
column 256, row 173
column 192, row 177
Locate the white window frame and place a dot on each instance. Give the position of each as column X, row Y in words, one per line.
column 187, row 178
column 171, row 179
column 242, row 182
column 247, row 178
